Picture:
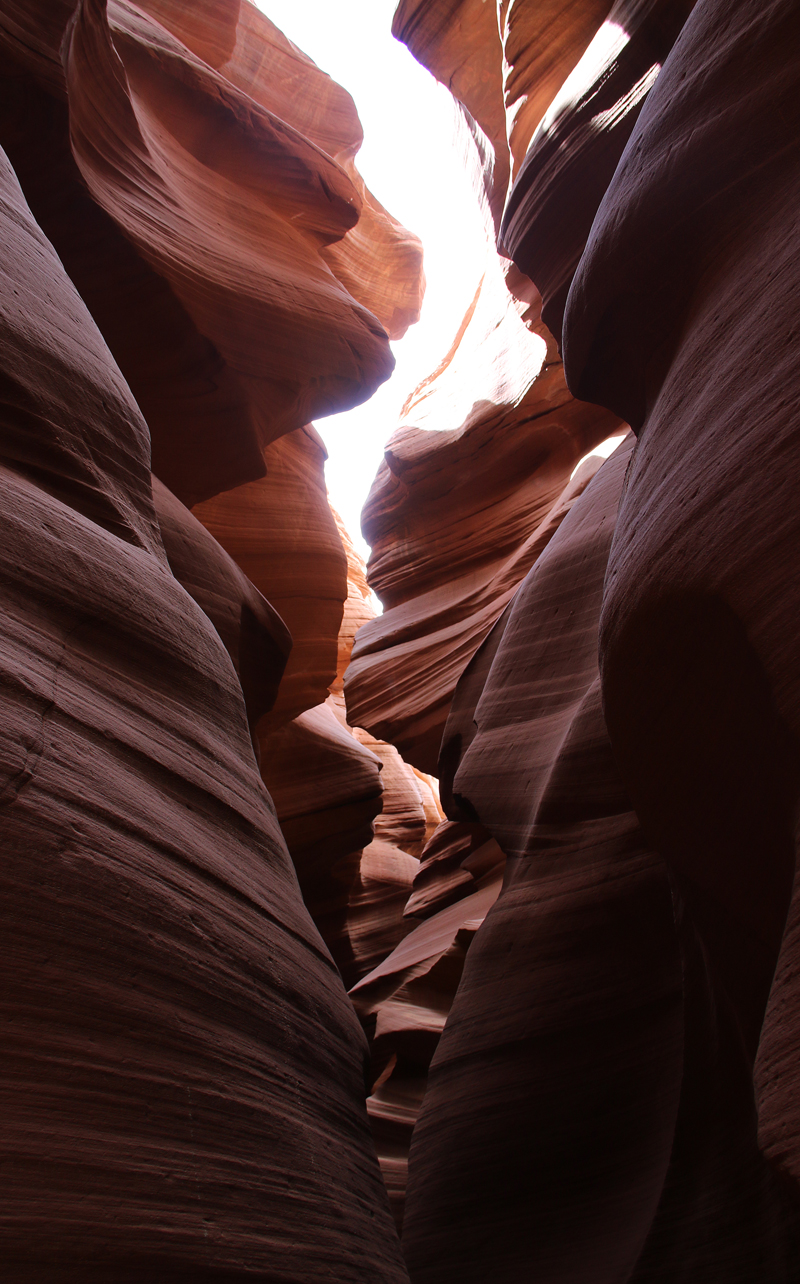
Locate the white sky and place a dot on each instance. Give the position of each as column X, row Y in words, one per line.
column 411, row 164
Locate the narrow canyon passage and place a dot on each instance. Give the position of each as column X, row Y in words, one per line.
column 400, row 741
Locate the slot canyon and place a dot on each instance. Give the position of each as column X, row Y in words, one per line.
column 452, row 939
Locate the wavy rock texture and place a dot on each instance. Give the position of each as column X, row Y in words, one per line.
column 354, row 815
column 566, row 1042
column 403, row 1003
column 471, row 489
column 405, row 1000
column 627, row 968
column 376, row 918
column 477, row 478
column 503, row 63
column 282, row 533
column 254, row 635
column 188, row 161
column 327, row 791
column 174, row 1107
column 688, row 277
column 572, row 156
column 458, row 859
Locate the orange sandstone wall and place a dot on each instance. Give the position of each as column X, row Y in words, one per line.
column 183, row 1074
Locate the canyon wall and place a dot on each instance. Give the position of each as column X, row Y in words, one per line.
column 569, row 1051
column 192, row 269
column 613, row 1090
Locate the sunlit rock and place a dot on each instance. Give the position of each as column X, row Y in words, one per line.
column 473, row 485
column 282, row 534
column 254, row 635
column 222, row 205
column 570, row 159
column 182, row 1072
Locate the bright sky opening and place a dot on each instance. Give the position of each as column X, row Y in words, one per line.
column 413, row 161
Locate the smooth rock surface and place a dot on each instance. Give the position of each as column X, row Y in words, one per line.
column 182, row 1073
column 682, row 310
column 254, row 635
column 282, row 534
column 546, row 1131
column 572, row 156
column 205, row 137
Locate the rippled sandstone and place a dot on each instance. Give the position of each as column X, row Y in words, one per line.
column 183, row 1080
column 164, row 1070
column 613, row 1092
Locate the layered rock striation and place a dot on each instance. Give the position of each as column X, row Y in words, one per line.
column 573, row 998
column 472, row 487
column 174, row 1106
column 183, row 1082
column 612, row 1094
column 141, row 159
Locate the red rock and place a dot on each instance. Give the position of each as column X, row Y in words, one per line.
column 327, row 791
column 443, row 595
column 574, row 151
column 254, row 635
column 375, row 922
column 207, row 162
column 457, row 860
column 459, row 44
column 330, row 782
column 547, row 1128
column 282, row 534
column 182, row 1073
column 472, row 486
column 682, row 313
column 404, row 1003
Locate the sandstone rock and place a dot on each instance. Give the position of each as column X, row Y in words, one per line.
column 541, row 45
column 503, row 62
column 282, row 534
column 190, row 161
column 245, row 202
column 458, row 859
column 546, row 1131
column 182, row 1072
column 327, row 791
column 358, row 609
column 254, row 635
column 404, row 1003
column 686, row 282
column 324, row 777
column 443, row 596
column 572, row 156
column 378, row 261
column 375, row 922
column 471, row 488
column 458, row 41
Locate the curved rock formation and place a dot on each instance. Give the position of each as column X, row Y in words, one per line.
column 254, row 635
column 282, row 533
column 470, row 491
column 564, row 1041
column 477, row 478
column 190, row 161
column 327, row 791
column 404, row 1002
column 502, row 62
column 572, row 156
column 330, row 783
column 590, row 1110
column 175, row 1104
column 689, row 273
